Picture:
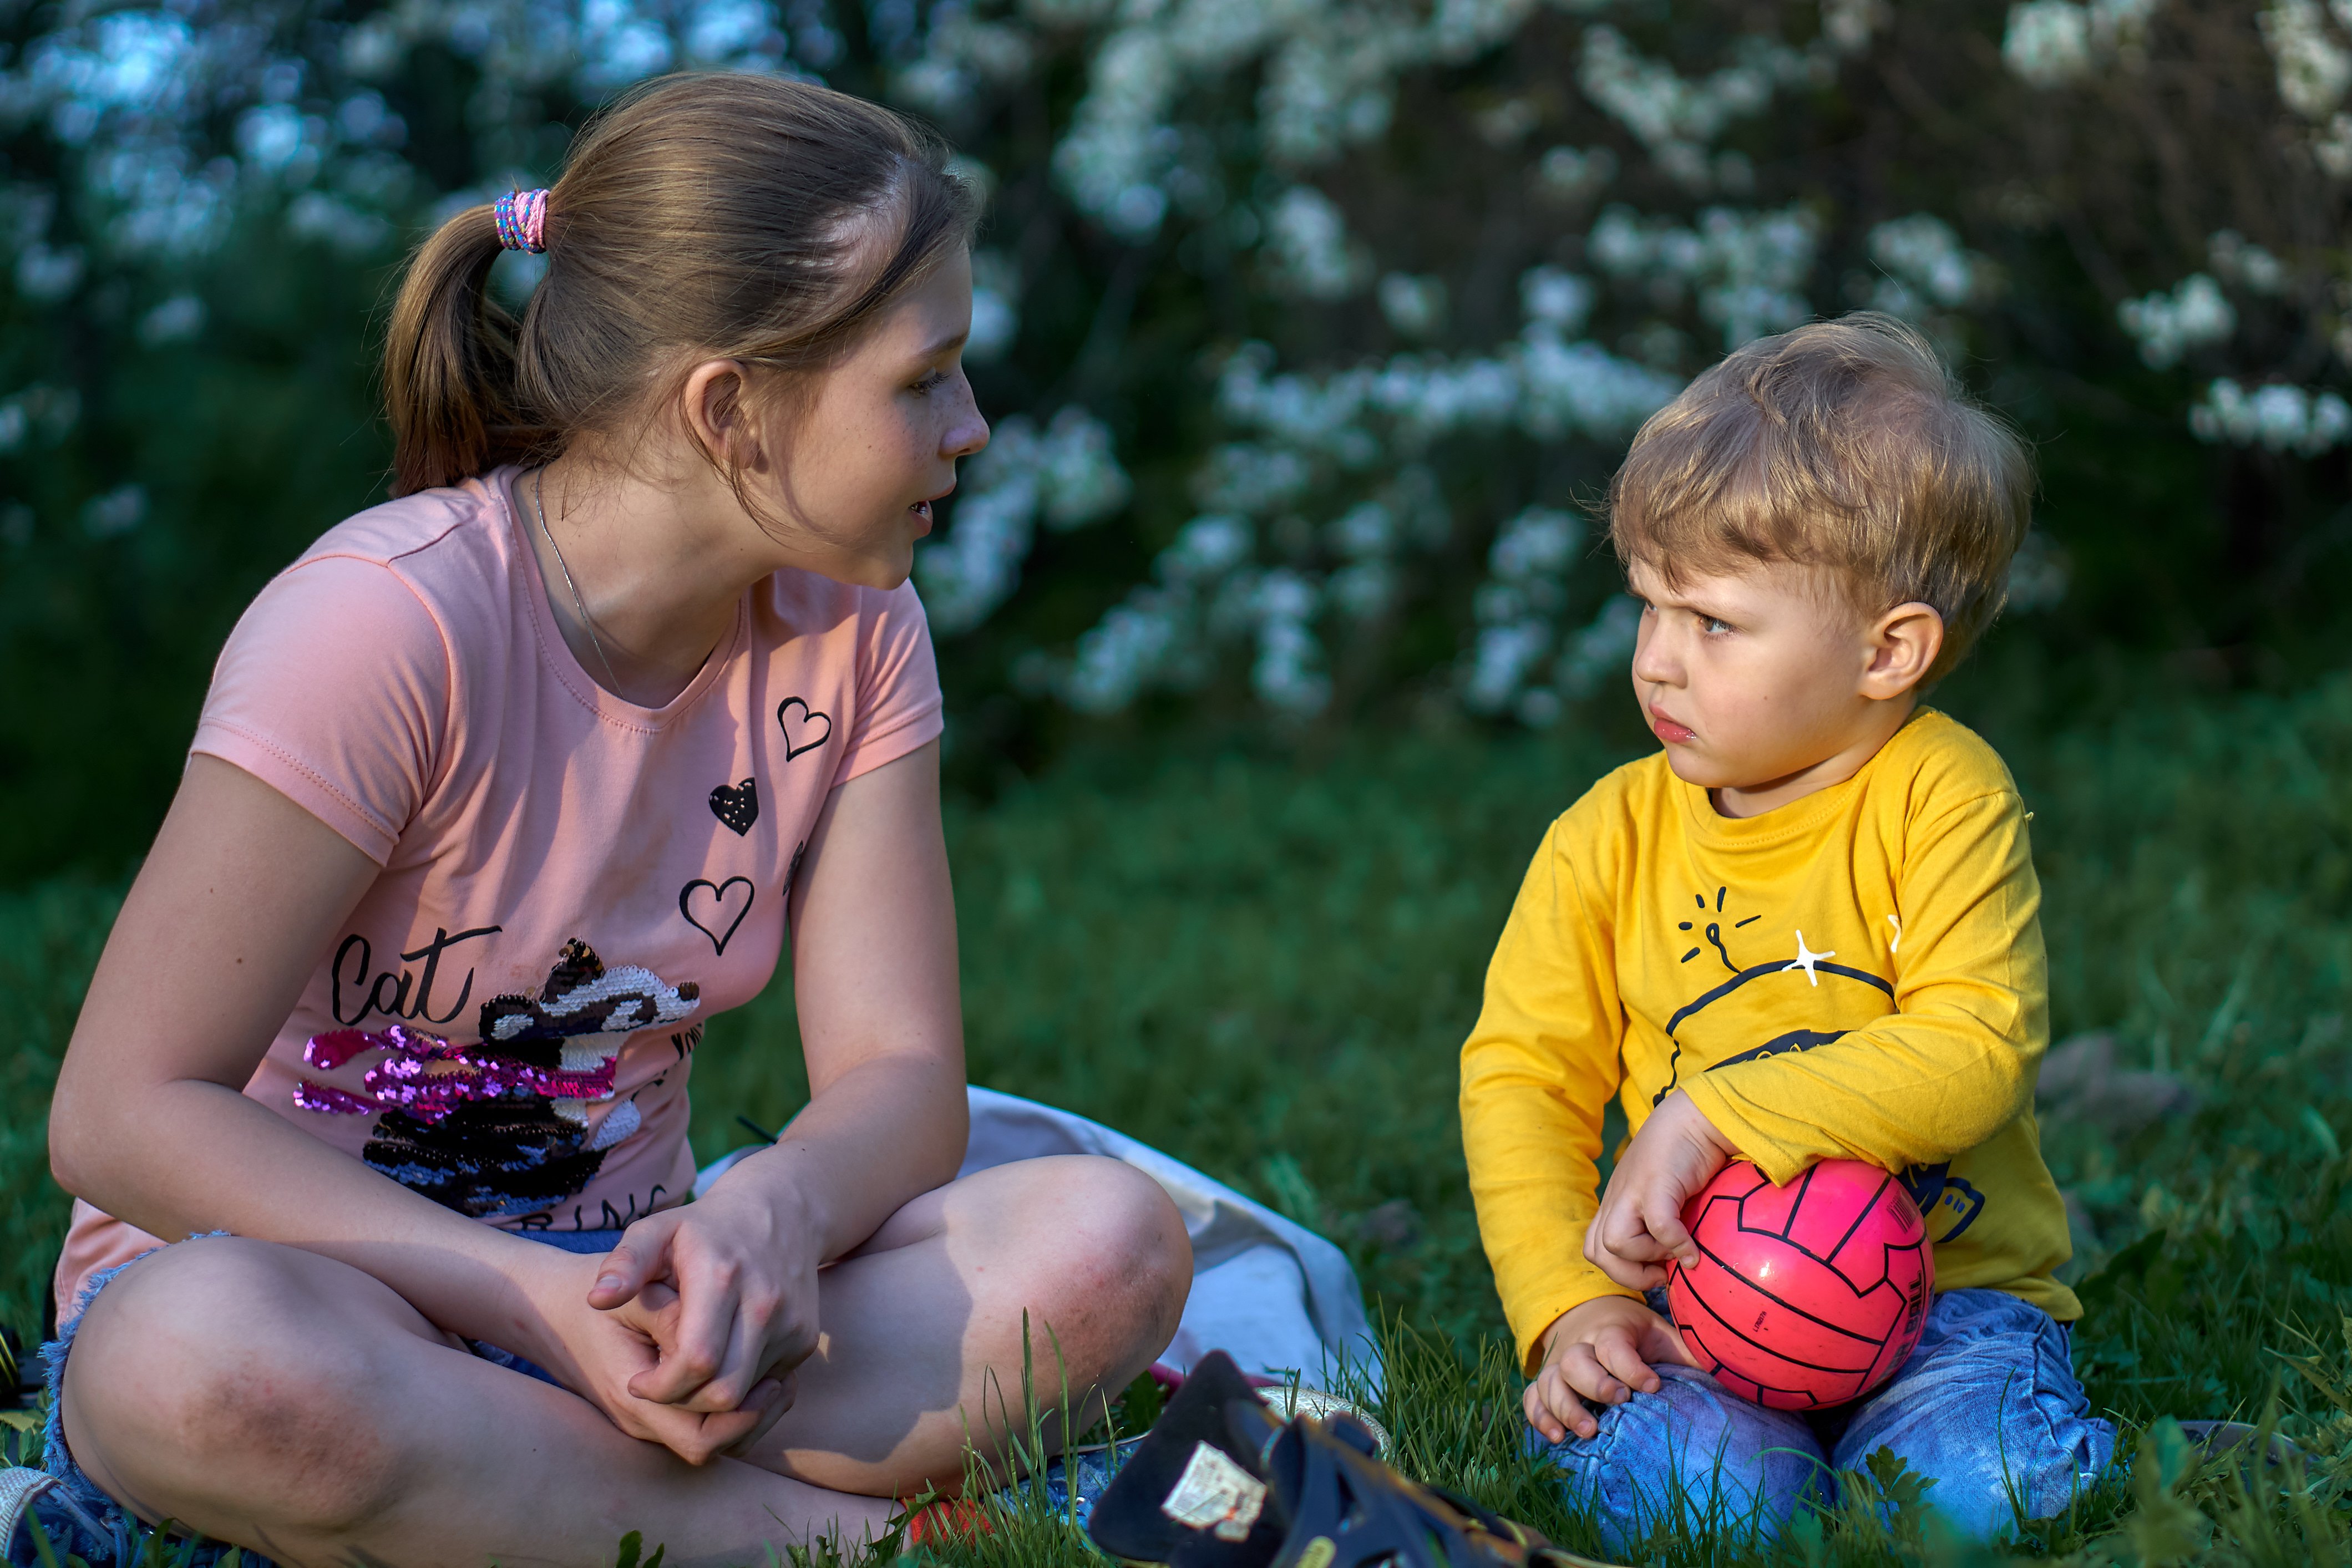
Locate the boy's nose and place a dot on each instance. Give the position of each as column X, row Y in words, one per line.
column 1652, row 665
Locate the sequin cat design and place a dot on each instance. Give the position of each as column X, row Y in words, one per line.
column 501, row 1126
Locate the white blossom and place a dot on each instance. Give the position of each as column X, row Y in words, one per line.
column 2313, row 68
column 2195, row 314
column 1556, row 297
column 2278, row 418
column 1414, row 306
column 1366, row 530
column 1599, row 651
column 1065, row 476
column 1518, row 610
column 115, row 513
column 1308, row 236
column 2049, row 43
column 1573, row 175
column 1251, row 479
column 1539, row 542
column 1848, row 23
column 174, row 320
column 1923, row 256
column 1120, row 653
column 39, row 409
column 1662, row 107
column 2245, row 264
column 2331, row 147
column 1500, row 660
column 995, row 306
column 1205, row 549
column 1362, row 588
column 1748, row 268
column 45, row 275
column 2037, row 574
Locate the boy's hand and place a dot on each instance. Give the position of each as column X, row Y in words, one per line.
column 1640, row 1226
column 1603, row 1352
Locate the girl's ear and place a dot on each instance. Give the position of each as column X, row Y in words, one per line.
column 1904, row 643
column 719, row 417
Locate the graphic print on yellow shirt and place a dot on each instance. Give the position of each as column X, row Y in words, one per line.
column 1857, row 975
column 1949, row 1203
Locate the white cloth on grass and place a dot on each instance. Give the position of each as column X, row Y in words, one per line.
column 1267, row 1291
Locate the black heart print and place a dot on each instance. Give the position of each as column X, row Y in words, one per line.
column 810, row 723
column 736, row 806
column 719, row 898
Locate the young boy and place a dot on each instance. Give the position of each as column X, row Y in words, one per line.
column 1807, row 929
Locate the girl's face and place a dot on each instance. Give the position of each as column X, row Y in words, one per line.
column 877, row 441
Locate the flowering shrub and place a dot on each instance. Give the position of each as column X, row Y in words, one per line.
column 1312, row 327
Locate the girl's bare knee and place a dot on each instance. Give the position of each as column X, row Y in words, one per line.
column 1109, row 1266
column 197, row 1383
column 1147, row 1231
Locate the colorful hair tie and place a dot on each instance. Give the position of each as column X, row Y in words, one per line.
column 523, row 221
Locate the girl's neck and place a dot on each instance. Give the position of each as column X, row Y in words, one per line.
column 658, row 570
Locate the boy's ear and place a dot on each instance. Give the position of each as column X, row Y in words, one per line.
column 1904, row 645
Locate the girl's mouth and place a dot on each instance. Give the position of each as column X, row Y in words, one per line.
column 922, row 510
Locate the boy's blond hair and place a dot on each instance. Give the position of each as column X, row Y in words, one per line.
column 1846, row 444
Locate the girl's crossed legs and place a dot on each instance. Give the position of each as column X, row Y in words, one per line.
column 294, row 1405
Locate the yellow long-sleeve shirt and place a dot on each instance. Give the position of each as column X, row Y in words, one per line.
column 1857, row 975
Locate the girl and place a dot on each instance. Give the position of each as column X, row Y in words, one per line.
column 500, row 791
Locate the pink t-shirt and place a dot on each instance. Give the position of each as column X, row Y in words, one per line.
column 571, row 884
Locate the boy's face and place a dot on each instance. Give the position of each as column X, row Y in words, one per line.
column 1767, row 683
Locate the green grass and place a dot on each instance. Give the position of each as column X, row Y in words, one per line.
column 1266, row 969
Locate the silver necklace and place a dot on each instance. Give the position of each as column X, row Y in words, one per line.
column 587, row 621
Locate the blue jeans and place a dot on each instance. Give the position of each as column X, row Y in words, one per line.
column 1987, row 1408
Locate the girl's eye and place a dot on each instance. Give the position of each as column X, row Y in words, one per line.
column 933, row 381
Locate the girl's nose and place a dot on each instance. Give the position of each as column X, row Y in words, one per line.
column 968, row 432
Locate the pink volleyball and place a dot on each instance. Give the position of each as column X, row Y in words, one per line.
column 1807, row 1295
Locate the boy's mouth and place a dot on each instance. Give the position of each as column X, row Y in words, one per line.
column 1669, row 731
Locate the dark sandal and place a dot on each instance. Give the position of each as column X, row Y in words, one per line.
column 1220, row 1482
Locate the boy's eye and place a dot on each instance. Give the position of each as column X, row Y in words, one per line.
column 1712, row 626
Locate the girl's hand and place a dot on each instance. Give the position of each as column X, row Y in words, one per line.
column 599, row 1354
column 725, row 1288
column 1602, row 1352
column 1639, row 1226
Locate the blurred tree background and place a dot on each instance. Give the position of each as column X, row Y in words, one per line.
column 1311, row 327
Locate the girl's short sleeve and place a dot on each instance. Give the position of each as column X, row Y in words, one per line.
column 334, row 691
column 899, row 708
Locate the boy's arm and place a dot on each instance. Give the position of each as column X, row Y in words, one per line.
column 1537, row 1075
column 1957, row 1060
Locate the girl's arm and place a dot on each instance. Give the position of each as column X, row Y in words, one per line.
column 874, row 974
column 228, row 918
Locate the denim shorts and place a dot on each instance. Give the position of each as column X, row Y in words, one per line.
column 76, row 1488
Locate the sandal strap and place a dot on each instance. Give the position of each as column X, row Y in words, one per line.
column 18, row 1488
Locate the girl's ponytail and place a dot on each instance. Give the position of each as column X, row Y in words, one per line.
column 701, row 216
column 450, row 361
